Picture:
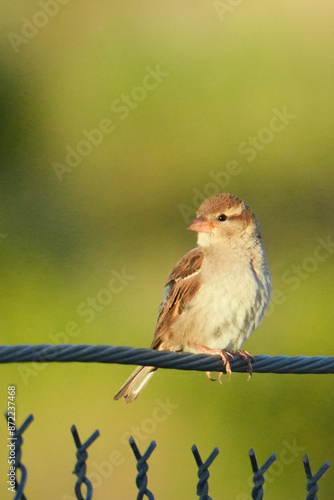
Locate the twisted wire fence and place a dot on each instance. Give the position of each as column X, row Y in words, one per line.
column 83, row 488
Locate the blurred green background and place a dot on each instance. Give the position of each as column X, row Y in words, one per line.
column 185, row 94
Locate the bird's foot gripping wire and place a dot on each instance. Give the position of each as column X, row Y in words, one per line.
column 225, row 356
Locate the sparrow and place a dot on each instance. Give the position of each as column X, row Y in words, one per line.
column 217, row 294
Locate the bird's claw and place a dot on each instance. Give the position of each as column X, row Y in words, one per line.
column 248, row 357
column 208, row 374
column 225, row 356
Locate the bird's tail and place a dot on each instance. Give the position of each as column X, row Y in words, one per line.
column 135, row 383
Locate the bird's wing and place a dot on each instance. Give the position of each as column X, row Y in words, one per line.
column 182, row 285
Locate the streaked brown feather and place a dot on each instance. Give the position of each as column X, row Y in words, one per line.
column 182, row 285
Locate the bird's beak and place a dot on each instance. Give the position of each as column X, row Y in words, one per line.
column 201, row 225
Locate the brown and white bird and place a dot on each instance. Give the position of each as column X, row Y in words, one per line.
column 217, row 293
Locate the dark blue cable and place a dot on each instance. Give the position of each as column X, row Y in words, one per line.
column 161, row 359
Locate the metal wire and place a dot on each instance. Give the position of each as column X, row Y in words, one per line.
column 62, row 353
column 311, row 485
column 203, row 473
column 80, row 466
column 258, row 474
column 18, row 441
column 142, row 467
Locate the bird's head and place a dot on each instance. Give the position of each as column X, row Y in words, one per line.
column 222, row 218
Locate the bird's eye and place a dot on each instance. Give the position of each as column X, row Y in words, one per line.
column 222, row 217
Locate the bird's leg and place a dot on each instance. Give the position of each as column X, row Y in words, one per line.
column 225, row 356
column 248, row 357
